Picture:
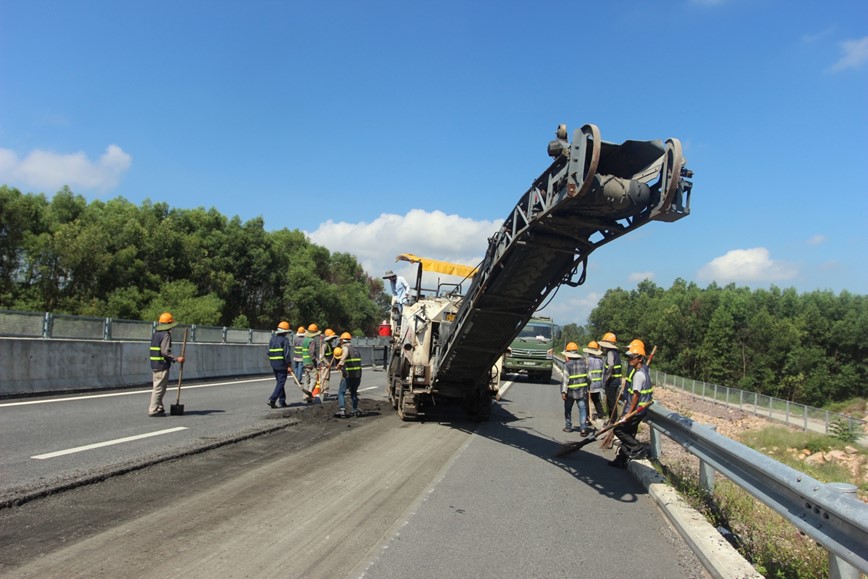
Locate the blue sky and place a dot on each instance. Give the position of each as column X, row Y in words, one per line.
column 388, row 127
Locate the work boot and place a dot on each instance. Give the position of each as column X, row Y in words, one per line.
column 341, row 413
column 270, row 403
column 356, row 413
column 282, row 404
column 619, row 462
column 583, row 433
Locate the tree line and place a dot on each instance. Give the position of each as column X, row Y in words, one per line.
column 126, row 261
column 808, row 348
column 116, row 259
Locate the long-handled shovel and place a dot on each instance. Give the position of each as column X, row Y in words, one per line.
column 177, row 409
column 569, row 447
column 307, row 393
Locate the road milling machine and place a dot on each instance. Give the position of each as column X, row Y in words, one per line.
column 447, row 342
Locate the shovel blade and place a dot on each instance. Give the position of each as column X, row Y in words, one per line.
column 176, row 410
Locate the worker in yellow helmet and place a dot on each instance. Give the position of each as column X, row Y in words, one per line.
column 350, row 365
column 574, row 388
column 640, row 392
column 280, row 358
column 310, row 347
column 595, row 375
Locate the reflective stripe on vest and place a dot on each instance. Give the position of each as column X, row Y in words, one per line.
column 577, row 379
column 353, row 363
column 275, row 354
column 645, row 395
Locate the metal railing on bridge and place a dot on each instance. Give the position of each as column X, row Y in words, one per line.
column 801, row 416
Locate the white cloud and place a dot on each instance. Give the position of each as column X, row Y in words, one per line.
column 816, row 240
column 47, row 170
column 855, row 54
column 746, row 265
column 434, row 235
column 641, row 276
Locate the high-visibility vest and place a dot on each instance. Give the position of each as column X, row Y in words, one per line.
column 353, row 362
column 278, row 347
column 615, row 365
column 595, row 372
column 158, row 361
column 577, row 372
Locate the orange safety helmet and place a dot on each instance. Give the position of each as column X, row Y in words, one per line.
column 300, row 330
column 346, row 336
column 166, row 318
column 313, row 328
column 610, row 337
column 283, row 326
column 572, row 347
column 593, row 345
column 328, row 333
column 637, row 348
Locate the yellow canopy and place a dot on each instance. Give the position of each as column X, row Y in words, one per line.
column 439, row 266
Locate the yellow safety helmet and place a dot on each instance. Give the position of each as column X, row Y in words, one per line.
column 166, row 318
column 283, row 326
column 313, row 328
column 637, row 348
column 346, row 336
column 338, row 352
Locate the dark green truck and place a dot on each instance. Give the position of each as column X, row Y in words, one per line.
column 531, row 351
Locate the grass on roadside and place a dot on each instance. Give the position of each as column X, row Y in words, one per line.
column 767, row 540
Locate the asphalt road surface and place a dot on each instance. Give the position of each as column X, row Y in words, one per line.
column 318, row 496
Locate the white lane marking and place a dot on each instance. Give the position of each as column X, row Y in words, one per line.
column 109, row 395
column 369, row 388
column 106, row 443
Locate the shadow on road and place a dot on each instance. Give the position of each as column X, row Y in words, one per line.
column 506, row 428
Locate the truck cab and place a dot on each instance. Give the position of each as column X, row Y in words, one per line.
column 531, row 351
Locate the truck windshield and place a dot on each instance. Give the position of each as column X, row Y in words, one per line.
column 534, row 331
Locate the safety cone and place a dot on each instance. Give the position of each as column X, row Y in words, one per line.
column 316, row 392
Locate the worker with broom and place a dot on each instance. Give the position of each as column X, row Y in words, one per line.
column 280, row 358
column 611, row 374
column 640, row 392
column 161, row 362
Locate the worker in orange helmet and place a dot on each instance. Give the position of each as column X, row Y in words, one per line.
column 161, row 362
column 280, row 358
column 641, row 396
column 611, row 373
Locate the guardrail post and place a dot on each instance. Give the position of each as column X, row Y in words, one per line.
column 46, row 325
column 250, row 335
column 107, row 329
column 838, row 567
column 656, row 443
column 805, row 415
column 706, row 472
column 787, row 415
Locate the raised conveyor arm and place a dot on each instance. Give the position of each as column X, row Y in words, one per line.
column 592, row 193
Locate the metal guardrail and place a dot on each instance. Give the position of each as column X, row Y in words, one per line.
column 824, row 511
column 61, row 326
column 834, row 519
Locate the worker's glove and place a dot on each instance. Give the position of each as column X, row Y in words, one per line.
column 563, row 396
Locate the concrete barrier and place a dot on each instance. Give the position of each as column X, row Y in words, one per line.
column 31, row 366
column 37, row 366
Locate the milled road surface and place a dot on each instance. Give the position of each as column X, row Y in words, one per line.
column 370, row 496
